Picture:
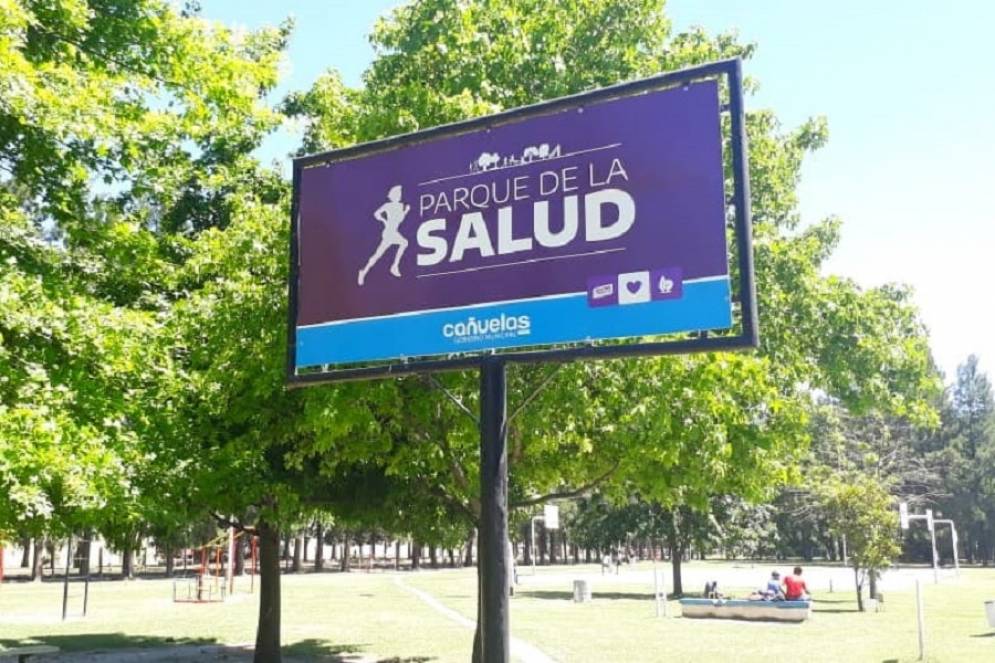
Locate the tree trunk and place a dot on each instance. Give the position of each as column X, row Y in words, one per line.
column 415, row 555
column 676, row 558
column 25, row 552
column 857, row 583
column 872, row 583
column 345, row 554
column 319, row 547
column 307, row 540
column 298, row 552
column 397, row 554
column 240, row 545
column 478, row 644
column 169, row 560
column 84, row 549
column 268, row 627
column 37, row 569
column 128, row 564
column 433, row 556
column 468, row 559
column 527, row 553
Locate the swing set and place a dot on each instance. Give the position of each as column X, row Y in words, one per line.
column 214, row 580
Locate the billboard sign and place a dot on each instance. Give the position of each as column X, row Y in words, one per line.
column 598, row 219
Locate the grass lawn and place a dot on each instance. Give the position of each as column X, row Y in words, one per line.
column 620, row 623
column 323, row 615
column 373, row 616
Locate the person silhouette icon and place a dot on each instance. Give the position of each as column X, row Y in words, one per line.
column 391, row 214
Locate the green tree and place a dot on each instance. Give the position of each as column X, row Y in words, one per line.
column 126, row 130
column 115, row 118
column 964, row 450
column 680, row 431
column 862, row 510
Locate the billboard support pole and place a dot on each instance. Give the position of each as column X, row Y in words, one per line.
column 494, row 572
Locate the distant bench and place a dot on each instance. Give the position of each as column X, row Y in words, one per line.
column 777, row 611
column 24, row 653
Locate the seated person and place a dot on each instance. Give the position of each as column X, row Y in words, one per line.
column 772, row 592
column 795, row 588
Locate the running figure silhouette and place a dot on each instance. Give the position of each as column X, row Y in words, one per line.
column 391, row 214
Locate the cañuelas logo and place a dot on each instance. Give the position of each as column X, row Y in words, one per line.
column 474, row 329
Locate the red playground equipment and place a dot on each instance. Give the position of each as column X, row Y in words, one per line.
column 214, row 580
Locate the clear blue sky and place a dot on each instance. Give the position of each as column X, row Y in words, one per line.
column 907, row 87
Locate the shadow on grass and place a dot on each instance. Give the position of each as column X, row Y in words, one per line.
column 834, row 611
column 94, row 641
column 984, row 635
column 818, row 603
column 322, row 650
column 305, row 650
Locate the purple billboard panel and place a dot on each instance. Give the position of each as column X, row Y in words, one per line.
column 599, row 221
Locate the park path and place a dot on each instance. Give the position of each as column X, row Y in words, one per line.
column 522, row 650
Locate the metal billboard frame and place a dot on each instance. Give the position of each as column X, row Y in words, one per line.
column 748, row 336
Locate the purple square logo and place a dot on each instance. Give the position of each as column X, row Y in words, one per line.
column 666, row 283
column 602, row 290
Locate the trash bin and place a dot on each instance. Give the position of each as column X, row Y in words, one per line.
column 990, row 611
column 582, row 591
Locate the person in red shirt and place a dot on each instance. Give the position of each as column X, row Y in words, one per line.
column 794, row 587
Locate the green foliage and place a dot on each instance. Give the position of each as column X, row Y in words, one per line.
column 677, row 430
column 123, row 127
column 963, row 450
column 861, row 510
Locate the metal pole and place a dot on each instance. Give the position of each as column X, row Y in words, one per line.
column 919, row 621
column 495, row 628
column 932, row 536
column 86, row 588
column 65, row 582
column 230, row 568
column 953, row 538
column 663, row 590
column 532, row 543
column 656, row 587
